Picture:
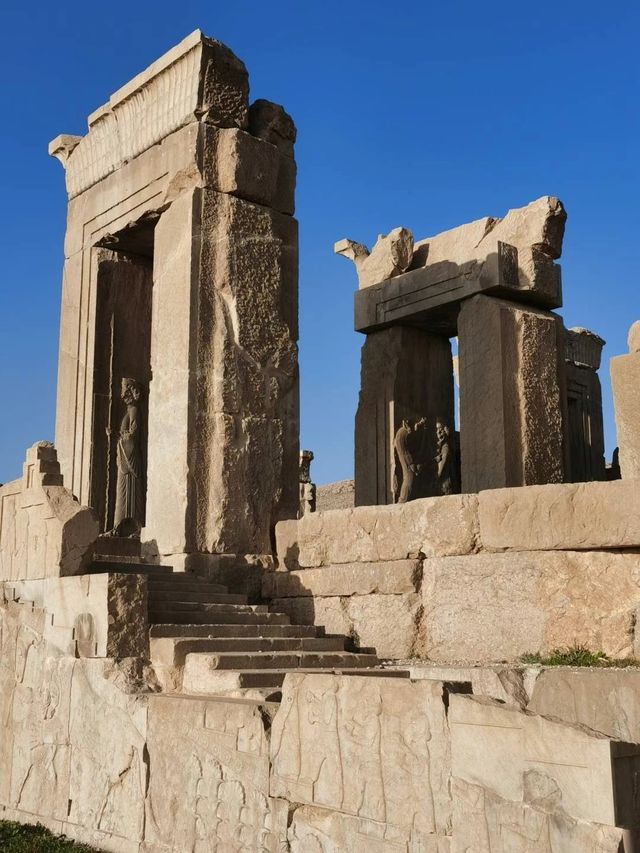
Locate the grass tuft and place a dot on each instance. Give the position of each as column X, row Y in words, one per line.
column 577, row 656
column 24, row 838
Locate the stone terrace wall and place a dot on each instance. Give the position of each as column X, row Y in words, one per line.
column 349, row 763
column 485, row 577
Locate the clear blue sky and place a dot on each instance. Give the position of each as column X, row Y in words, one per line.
column 420, row 114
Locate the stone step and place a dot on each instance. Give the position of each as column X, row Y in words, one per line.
column 228, row 617
column 213, row 631
column 172, row 603
column 172, row 651
column 205, row 662
column 184, row 582
column 115, row 567
column 158, row 596
column 228, row 682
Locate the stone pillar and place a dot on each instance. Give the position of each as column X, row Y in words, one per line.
column 180, row 171
column 512, row 395
column 585, row 426
column 625, row 381
column 406, row 375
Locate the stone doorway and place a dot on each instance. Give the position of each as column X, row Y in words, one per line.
column 122, row 350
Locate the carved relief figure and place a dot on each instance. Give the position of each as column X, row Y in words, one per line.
column 408, row 452
column 445, row 459
column 129, row 512
column 307, row 488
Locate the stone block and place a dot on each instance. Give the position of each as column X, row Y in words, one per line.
column 325, row 831
column 604, row 700
column 44, row 531
column 390, row 256
column 496, row 607
column 484, row 822
column 373, row 748
column 198, row 79
column 287, row 548
column 576, row 516
column 523, row 757
column 367, row 619
column 397, row 576
column 210, row 783
column 429, row 526
column 526, row 445
column 625, row 381
column 272, row 123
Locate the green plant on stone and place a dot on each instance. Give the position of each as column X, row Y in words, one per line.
column 577, row 656
column 24, row 838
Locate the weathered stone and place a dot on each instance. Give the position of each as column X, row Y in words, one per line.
column 544, row 763
column 323, row 831
column 44, row 531
column 373, row 748
column 525, row 444
column 272, row 123
column 387, row 623
column 406, row 381
column 633, row 338
column 198, row 79
column 585, row 427
column 495, row 607
column 390, row 256
column 396, row 576
column 430, row 526
column 484, row 822
column 604, row 700
column 577, row 516
column 625, row 381
column 210, row 784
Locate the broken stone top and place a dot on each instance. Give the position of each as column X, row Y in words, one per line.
column 583, row 348
column 536, row 229
column 634, row 337
column 199, row 79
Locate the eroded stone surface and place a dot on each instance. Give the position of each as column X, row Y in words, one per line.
column 493, row 607
column 561, row 517
column 391, row 577
column 372, row 748
column 625, row 382
column 390, row 256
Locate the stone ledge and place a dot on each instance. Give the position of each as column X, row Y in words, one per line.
column 561, row 517
column 389, row 577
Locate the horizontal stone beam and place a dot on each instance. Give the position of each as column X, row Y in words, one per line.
column 431, row 295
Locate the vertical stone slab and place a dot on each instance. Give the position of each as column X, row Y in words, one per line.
column 406, row 374
column 172, row 390
column 625, row 380
column 512, row 395
column 585, row 426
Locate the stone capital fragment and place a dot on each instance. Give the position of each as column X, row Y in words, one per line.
column 62, row 147
column 391, row 255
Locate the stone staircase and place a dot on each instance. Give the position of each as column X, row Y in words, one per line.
column 206, row 640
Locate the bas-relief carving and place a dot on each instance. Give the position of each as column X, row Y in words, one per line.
column 424, row 462
column 307, row 488
column 130, row 487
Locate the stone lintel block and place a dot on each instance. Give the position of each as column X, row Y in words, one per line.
column 498, row 607
column 253, row 169
column 391, row 577
column 428, row 526
column 625, row 381
column 387, row 623
column 272, row 123
column 527, row 758
column 199, row 79
column 562, row 516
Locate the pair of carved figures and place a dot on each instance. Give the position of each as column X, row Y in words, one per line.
column 128, row 516
column 425, row 466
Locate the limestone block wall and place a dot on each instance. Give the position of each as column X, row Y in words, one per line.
column 346, row 762
column 44, row 531
column 485, row 577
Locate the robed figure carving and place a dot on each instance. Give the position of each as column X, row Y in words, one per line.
column 408, row 446
column 130, row 491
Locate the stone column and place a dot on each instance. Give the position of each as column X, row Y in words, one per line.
column 406, row 375
column 223, row 404
column 585, row 427
column 512, row 395
column 625, row 380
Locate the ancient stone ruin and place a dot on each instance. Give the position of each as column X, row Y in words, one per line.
column 195, row 653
